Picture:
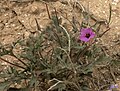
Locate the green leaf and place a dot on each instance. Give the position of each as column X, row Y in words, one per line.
column 33, row 82
column 55, row 20
column 4, row 85
column 25, row 89
column 78, row 47
column 102, row 59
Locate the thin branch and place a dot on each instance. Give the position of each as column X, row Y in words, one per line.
column 68, row 38
column 19, row 60
column 57, row 38
column 72, row 66
column 110, row 14
column 48, row 11
column 56, row 16
column 69, row 59
column 38, row 26
column 112, row 74
column 11, row 63
column 104, row 32
column 80, row 54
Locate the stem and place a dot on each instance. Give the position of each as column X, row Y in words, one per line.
column 74, row 70
column 80, row 54
column 68, row 38
column 38, row 27
column 68, row 20
column 20, row 60
column 40, row 55
column 58, row 38
column 69, row 59
column 110, row 13
column 104, row 32
column 48, row 11
column 83, row 51
column 56, row 15
column 112, row 74
column 11, row 63
column 53, row 86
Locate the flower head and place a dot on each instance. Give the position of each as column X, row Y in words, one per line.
column 86, row 34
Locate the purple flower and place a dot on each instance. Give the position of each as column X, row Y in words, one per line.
column 113, row 86
column 86, row 34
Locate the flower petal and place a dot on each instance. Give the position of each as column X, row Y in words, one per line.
column 82, row 38
column 85, row 31
column 92, row 35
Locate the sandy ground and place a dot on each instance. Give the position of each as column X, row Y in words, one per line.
column 17, row 18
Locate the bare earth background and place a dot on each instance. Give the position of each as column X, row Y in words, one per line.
column 17, row 19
